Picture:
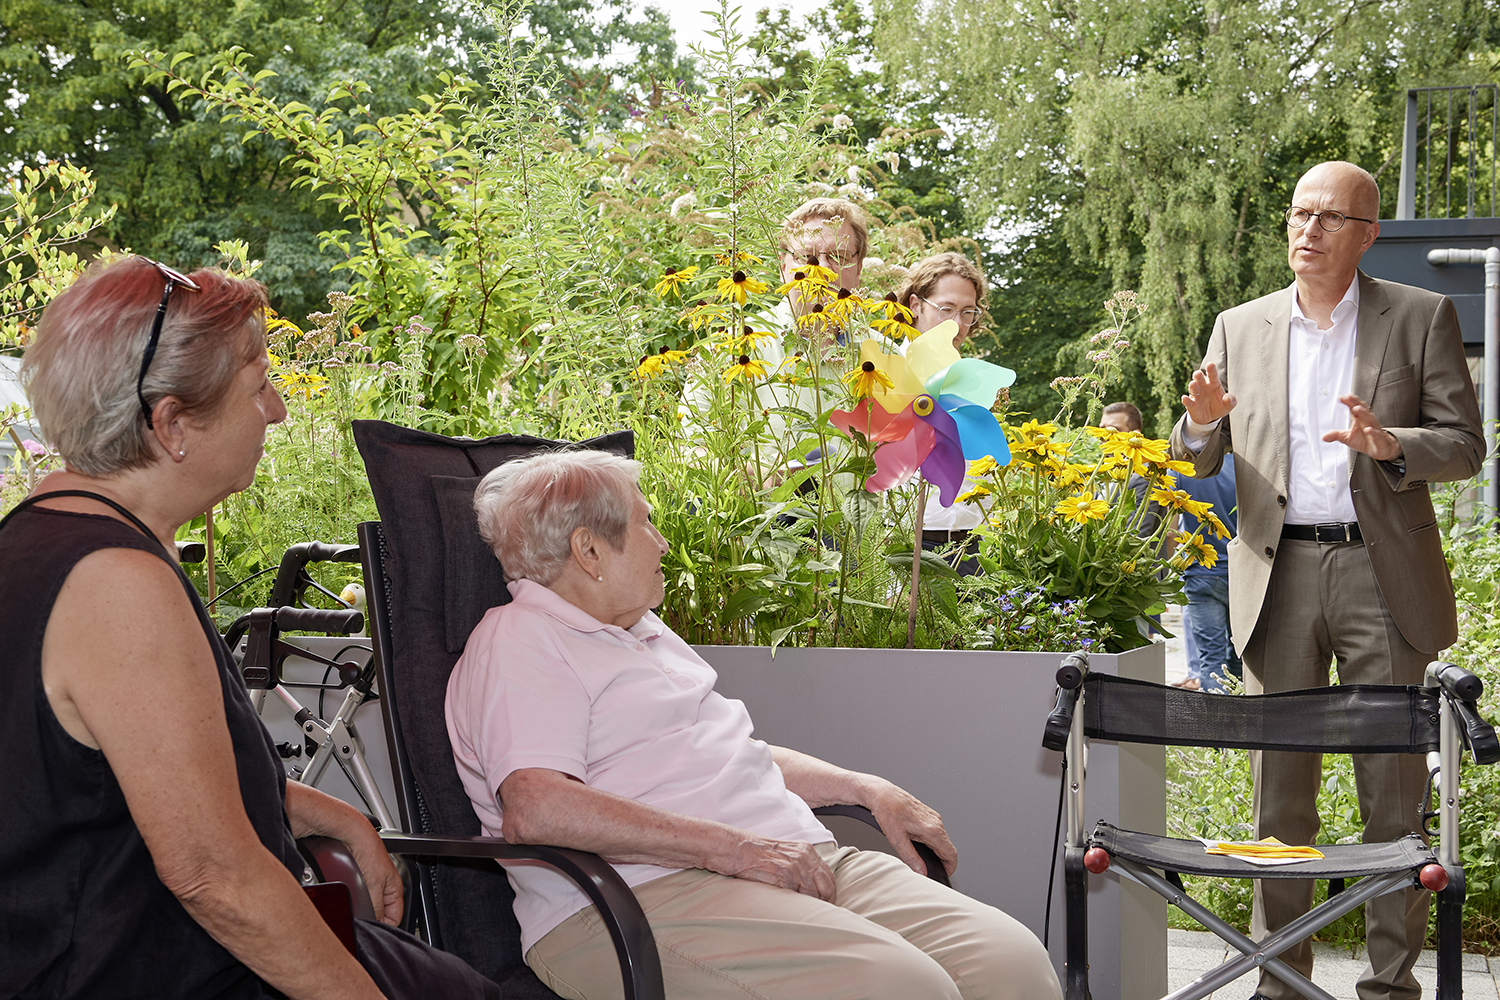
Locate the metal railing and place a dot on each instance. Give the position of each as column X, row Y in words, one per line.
column 1446, row 132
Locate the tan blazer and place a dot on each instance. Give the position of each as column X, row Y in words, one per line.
column 1409, row 367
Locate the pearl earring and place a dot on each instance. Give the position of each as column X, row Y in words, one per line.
column 600, row 579
column 182, row 454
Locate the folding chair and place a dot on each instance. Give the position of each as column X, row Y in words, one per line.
column 429, row 579
column 1437, row 718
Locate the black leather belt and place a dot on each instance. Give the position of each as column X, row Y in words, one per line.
column 956, row 535
column 1330, row 533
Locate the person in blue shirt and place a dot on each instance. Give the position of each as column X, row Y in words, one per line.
column 1211, row 656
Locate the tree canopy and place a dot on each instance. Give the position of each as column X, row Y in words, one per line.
column 1161, row 139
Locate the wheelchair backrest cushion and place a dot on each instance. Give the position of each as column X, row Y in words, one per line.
column 441, row 579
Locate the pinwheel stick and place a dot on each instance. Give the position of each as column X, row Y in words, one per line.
column 916, row 569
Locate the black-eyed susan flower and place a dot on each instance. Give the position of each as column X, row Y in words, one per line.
column 673, row 280
column 705, row 314
column 892, row 308
column 979, row 490
column 843, row 306
column 1179, row 500
column 745, row 368
column 738, row 258
column 1182, row 468
column 818, row 272
column 808, row 287
column 299, row 383
column 863, row 380
column 651, row 365
column 790, row 367
column 896, row 329
column 814, row 321
column 739, row 286
column 1138, row 448
column 1081, row 508
column 745, row 340
column 982, row 466
column 1200, row 551
column 1212, row 519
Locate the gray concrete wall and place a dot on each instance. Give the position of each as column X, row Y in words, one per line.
column 962, row 731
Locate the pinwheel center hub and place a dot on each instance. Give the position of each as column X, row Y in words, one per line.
column 922, row 405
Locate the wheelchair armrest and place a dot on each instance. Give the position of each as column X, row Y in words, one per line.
column 935, row 869
column 332, row 862
column 640, row 965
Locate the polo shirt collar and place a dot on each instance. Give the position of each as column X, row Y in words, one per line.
column 535, row 597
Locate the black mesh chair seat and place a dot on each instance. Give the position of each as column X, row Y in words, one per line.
column 1189, row 858
column 1437, row 719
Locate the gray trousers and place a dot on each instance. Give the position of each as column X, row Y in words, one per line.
column 1323, row 606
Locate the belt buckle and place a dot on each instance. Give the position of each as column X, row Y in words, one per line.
column 1332, row 532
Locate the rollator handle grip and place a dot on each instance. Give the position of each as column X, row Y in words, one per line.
column 1457, row 681
column 330, row 622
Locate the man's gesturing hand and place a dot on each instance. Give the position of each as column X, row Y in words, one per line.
column 1206, row 400
column 789, row 864
column 1365, row 432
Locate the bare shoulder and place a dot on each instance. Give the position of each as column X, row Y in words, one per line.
column 122, row 627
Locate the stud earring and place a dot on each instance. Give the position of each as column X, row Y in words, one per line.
column 600, row 579
column 182, row 454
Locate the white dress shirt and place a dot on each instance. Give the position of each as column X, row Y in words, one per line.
column 1320, row 369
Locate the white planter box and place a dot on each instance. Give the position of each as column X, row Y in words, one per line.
column 963, row 732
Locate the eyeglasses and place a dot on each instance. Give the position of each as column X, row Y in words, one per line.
column 174, row 280
column 968, row 317
column 1331, row 221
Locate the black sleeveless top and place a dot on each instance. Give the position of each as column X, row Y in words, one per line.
column 82, row 911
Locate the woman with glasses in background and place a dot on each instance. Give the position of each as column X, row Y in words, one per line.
column 148, row 845
column 943, row 287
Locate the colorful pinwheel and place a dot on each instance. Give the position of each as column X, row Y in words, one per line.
column 936, row 415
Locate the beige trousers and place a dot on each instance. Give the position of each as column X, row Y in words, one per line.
column 890, row 933
column 1323, row 606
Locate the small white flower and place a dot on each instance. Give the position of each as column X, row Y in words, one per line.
column 853, row 174
column 842, row 121
column 684, row 204
column 893, row 160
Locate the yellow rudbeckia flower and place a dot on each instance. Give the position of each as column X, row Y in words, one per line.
column 746, row 368
column 862, row 380
column 673, row 281
column 1081, row 508
column 739, row 286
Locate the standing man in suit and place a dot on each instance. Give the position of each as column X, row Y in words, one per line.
column 1341, row 397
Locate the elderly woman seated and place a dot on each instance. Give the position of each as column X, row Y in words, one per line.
column 579, row 719
column 149, row 850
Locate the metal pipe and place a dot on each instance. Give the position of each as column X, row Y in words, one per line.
column 1490, row 378
column 1406, row 193
column 1077, row 772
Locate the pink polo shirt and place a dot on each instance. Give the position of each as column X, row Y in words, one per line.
column 633, row 712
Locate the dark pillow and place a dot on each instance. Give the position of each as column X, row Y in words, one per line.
column 441, row 579
column 473, row 581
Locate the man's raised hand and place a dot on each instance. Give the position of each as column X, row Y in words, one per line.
column 1206, row 401
column 1365, row 432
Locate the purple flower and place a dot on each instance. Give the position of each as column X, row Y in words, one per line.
column 36, row 450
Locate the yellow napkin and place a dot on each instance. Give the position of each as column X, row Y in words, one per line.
column 1267, row 851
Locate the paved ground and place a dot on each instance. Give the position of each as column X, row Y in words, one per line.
column 1191, row 953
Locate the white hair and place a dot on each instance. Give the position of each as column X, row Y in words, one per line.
column 529, row 508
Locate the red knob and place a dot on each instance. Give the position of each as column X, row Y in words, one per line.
column 1096, row 860
column 1434, row 877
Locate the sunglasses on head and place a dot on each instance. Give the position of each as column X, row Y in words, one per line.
column 174, row 279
